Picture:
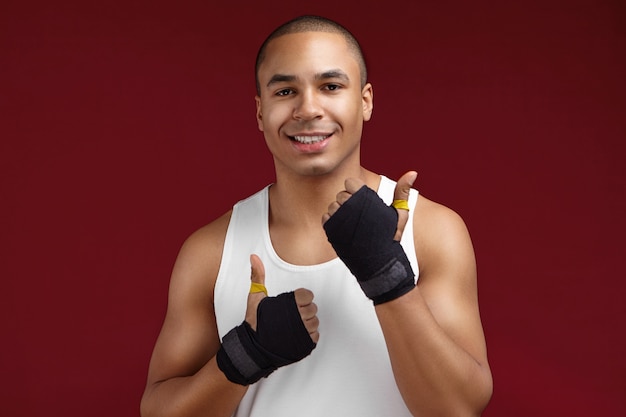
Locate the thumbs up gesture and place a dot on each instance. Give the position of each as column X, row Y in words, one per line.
column 401, row 193
column 303, row 298
column 366, row 234
column 278, row 331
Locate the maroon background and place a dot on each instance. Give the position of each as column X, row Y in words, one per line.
column 127, row 125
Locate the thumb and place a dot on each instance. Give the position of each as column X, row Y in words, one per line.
column 257, row 281
column 401, row 192
column 257, row 270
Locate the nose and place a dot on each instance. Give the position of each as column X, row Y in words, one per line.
column 308, row 106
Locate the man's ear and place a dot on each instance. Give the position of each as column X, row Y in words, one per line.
column 259, row 115
column 367, row 96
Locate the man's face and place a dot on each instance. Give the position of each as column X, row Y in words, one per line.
column 311, row 106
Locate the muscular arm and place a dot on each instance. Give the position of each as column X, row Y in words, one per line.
column 183, row 378
column 433, row 333
column 190, row 373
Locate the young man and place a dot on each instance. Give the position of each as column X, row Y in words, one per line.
column 232, row 344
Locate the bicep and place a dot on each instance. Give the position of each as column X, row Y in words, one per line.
column 188, row 337
column 448, row 280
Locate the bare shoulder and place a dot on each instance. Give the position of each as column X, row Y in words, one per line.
column 200, row 256
column 442, row 242
column 428, row 211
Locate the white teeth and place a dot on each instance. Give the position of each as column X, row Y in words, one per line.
column 309, row 139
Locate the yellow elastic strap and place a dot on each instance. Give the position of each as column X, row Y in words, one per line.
column 401, row 204
column 255, row 288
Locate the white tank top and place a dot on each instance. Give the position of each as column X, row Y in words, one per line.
column 349, row 373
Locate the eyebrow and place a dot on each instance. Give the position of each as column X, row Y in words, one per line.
column 334, row 73
column 281, row 78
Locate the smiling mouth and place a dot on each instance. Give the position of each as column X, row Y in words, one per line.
column 307, row 140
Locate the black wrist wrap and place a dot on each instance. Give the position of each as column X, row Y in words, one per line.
column 281, row 339
column 362, row 232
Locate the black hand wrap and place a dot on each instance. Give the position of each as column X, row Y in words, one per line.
column 362, row 233
column 280, row 339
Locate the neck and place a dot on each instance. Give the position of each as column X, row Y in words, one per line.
column 304, row 199
column 297, row 204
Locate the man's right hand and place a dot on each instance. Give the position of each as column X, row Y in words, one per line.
column 304, row 301
column 278, row 331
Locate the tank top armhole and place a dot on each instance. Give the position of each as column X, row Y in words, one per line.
column 385, row 191
column 234, row 227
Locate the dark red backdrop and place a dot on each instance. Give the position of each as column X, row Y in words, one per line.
column 126, row 126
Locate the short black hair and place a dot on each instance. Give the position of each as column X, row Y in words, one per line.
column 311, row 23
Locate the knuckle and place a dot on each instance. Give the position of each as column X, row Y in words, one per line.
column 306, row 312
column 303, row 296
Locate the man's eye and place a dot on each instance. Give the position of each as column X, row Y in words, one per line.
column 332, row 87
column 284, row 92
